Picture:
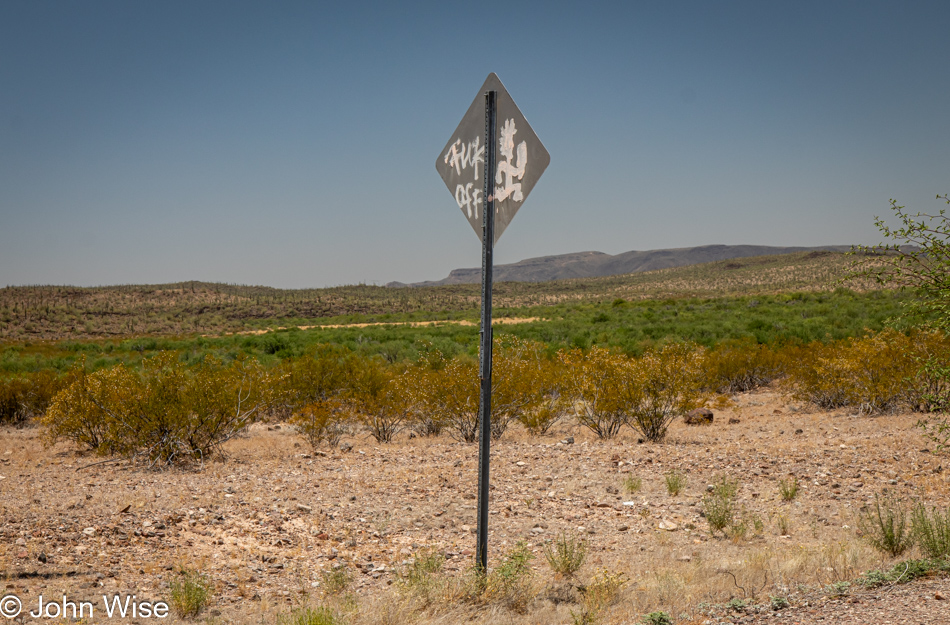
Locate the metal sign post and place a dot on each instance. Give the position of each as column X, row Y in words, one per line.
column 484, row 351
column 508, row 181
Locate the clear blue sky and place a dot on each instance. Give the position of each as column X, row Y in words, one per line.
column 292, row 144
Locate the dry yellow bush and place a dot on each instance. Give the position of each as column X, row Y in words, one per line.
column 663, row 384
column 740, row 365
column 166, row 412
column 323, row 421
column 875, row 373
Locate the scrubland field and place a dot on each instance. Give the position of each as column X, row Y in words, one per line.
column 248, row 455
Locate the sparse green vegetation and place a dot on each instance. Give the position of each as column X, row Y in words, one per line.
column 931, row 530
column 632, row 484
column 657, row 618
column 190, row 593
column 310, row 616
column 885, row 525
column 335, row 579
column 719, row 504
column 788, row 488
column 566, row 554
column 675, row 482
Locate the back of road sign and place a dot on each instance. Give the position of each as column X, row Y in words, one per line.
column 521, row 159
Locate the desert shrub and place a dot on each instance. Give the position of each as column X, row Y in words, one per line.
column 930, row 390
column 933, row 396
column 521, row 380
column 322, row 372
column 805, row 380
column 597, row 382
column 448, row 390
column 335, row 580
column 601, row 592
column 788, row 488
column 719, row 504
column 885, row 525
column 420, row 577
column 551, row 402
column 566, row 554
column 675, row 482
column 28, row 396
column 915, row 258
column 632, row 484
column 379, row 399
column 931, row 530
column 661, row 386
column 323, row 421
column 190, row 592
column 423, row 381
column 12, row 405
column 904, row 572
column 740, row 365
column 166, row 412
column 873, row 373
column 657, row 618
column 509, row 583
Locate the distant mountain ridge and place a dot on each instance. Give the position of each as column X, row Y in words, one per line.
column 595, row 264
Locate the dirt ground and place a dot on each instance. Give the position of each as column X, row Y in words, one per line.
column 268, row 519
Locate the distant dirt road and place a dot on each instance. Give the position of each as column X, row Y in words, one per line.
column 414, row 324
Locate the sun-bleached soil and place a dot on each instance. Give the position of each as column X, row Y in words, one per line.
column 265, row 521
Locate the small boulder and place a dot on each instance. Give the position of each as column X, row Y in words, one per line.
column 699, row 416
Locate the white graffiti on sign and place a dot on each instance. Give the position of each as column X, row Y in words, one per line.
column 510, row 168
column 469, row 197
column 464, row 155
column 461, row 156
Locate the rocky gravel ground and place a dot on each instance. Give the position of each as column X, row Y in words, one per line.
column 267, row 521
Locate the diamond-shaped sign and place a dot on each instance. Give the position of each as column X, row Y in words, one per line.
column 520, row 160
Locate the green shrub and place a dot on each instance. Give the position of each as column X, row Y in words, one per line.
column 566, row 554
column 420, row 576
column 788, row 488
column 657, row 618
column 632, row 484
column 515, row 565
column 719, row 504
column 931, row 530
column 509, row 583
column 838, row 589
column 675, row 482
column 904, row 572
column 190, row 593
column 885, row 525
